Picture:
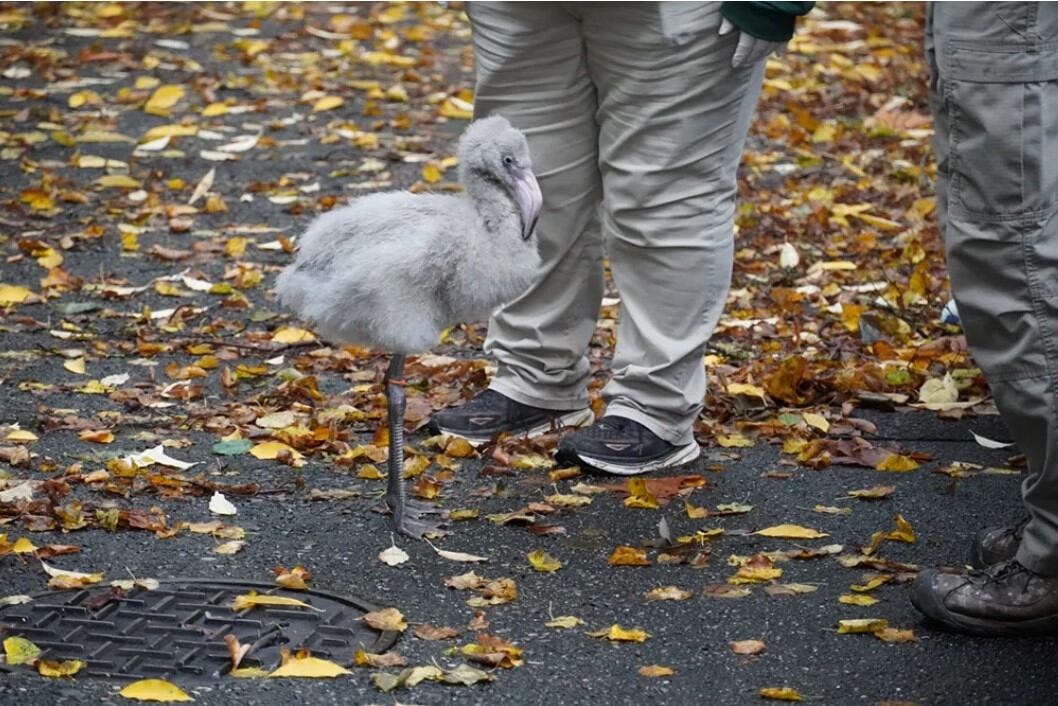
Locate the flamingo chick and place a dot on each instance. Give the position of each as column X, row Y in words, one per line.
column 391, row 271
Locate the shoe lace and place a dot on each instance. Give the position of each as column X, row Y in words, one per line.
column 1003, row 571
column 610, row 428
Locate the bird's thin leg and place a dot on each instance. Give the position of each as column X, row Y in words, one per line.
column 406, row 513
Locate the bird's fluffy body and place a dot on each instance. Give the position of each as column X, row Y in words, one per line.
column 392, row 270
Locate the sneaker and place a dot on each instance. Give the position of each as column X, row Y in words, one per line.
column 623, row 447
column 996, row 544
column 1006, row 599
column 491, row 413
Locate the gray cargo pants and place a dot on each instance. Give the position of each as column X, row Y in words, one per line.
column 634, row 107
column 994, row 90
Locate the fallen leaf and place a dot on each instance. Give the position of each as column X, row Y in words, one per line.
column 747, row 647
column 309, row 667
column 895, row 635
column 57, row 668
column 783, row 693
column 639, row 496
column 19, row 650
column 564, row 622
column 543, row 562
column 252, row 599
column 876, row 492
column 386, row 660
column 628, row 556
column 861, row 625
column 154, row 690
column 857, row 599
column 989, row 443
column 897, row 462
column 289, row 334
column 656, row 670
column 616, row 633
column 393, row 556
column 790, row 532
column 902, row 533
column 220, row 505
column 164, row 98
column 385, row 619
column 668, row 593
column 429, row 632
column 457, row 556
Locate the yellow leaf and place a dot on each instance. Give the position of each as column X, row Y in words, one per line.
column 791, row 532
column 695, row 513
column 248, row 673
column 76, row 100
column 544, row 562
column 309, row 667
column 756, row 569
column 854, row 599
column 738, row 388
column 526, row 462
column 327, row 103
column 214, row 109
column 289, row 334
column 816, row 420
column 639, row 496
column 75, row 366
column 49, row 258
column 850, row 316
column 385, row 619
column 397, row 93
column 164, row 98
column 271, row 450
column 20, row 436
column 895, row 635
column 23, row 546
column 872, row 584
column 249, row 600
column 897, row 462
column 168, row 131
column 733, row 440
column 456, row 108
column 564, row 621
column 55, row 668
column 861, row 625
column 13, row 294
column 784, row 693
column 121, row 181
column 902, row 533
column 458, row 447
column 369, row 471
column 616, row 633
column 628, row 556
column 566, row 500
column 19, row 650
column 656, row 670
column 430, row 173
column 154, row 690
column 145, row 83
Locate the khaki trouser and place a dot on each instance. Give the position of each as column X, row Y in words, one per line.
column 634, row 108
column 994, row 88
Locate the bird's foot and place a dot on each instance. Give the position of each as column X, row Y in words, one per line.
column 408, row 518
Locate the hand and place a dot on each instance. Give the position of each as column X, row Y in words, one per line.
column 749, row 49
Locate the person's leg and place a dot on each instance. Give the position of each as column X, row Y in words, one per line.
column 673, row 116
column 995, row 95
column 531, row 69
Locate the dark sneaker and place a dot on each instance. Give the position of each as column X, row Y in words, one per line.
column 623, row 447
column 996, row 544
column 1006, row 599
column 491, row 413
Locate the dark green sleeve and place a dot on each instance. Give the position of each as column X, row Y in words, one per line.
column 773, row 21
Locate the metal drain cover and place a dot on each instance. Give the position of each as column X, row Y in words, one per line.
column 178, row 629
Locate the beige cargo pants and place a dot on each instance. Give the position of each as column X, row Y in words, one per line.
column 994, row 89
column 635, row 115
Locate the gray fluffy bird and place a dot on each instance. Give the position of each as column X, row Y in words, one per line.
column 391, row 271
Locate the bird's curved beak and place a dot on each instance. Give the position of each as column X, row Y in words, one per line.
column 530, row 200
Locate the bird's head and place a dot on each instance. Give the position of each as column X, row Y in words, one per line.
column 491, row 149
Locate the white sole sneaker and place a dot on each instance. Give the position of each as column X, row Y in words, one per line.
column 679, row 456
column 571, row 419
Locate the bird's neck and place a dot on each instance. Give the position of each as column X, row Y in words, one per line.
column 491, row 200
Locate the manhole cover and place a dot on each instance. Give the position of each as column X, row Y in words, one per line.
column 178, row 630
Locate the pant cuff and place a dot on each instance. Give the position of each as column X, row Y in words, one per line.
column 674, row 435
column 515, row 390
column 1045, row 565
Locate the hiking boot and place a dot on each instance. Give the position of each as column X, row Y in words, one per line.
column 1006, row 599
column 623, row 447
column 996, row 544
column 491, row 413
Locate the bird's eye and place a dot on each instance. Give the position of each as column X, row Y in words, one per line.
column 508, row 160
